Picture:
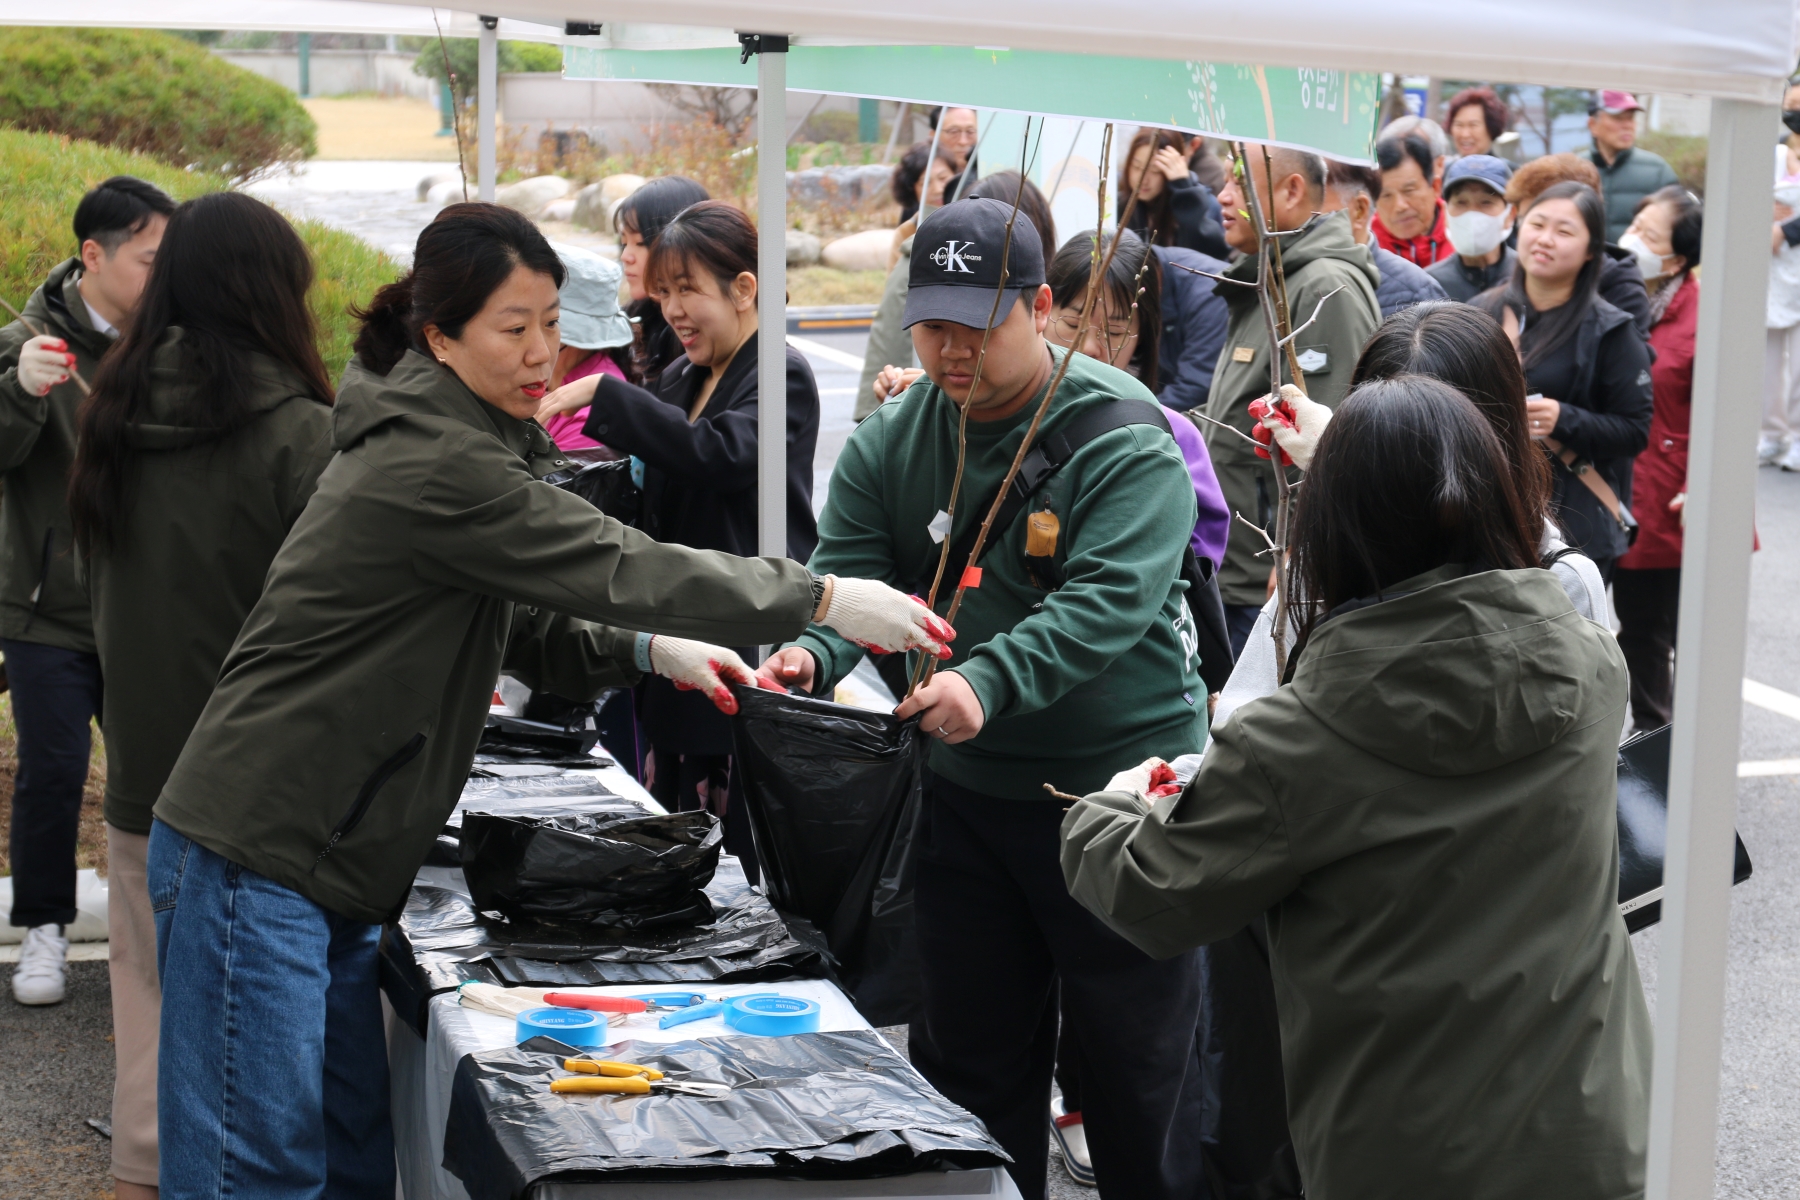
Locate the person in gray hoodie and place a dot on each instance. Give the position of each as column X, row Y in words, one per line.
column 1424, row 810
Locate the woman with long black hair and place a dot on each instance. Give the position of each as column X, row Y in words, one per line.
column 1424, row 812
column 1173, row 207
column 697, row 438
column 1587, row 368
column 207, row 430
column 341, row 730
column 638, row 218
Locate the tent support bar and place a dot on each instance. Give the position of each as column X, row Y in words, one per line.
column 771, row 298
column 487, row 83
column 1715, row 597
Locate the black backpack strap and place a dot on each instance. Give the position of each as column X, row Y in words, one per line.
column 1042, row 461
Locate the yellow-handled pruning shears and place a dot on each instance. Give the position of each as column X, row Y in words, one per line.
column 597, row 1077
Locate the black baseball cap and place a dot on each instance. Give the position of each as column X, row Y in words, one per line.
column 955, row 267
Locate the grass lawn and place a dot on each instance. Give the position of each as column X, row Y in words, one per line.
column 379, row 127
column 814, row 286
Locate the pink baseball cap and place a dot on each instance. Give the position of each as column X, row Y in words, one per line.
column 1614, row 102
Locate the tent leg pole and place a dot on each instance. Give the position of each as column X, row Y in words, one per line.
column 1715, row 595
column 771, row 302
column 487, row 81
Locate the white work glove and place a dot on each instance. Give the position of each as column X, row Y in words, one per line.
column 878, row 618
column 1295, row 421
column 702, row 667
column 44, row 362
column 1149, row 781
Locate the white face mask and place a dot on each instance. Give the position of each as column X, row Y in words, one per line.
column 1475, row 233
column 1649, row 262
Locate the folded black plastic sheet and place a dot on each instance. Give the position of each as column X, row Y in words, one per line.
column 833, row 796
column 441, row 941
column 515, row 740
column 551, row 794
column 1644, row 828
column 605, row 484
column 619, row 870
column 820, row 1105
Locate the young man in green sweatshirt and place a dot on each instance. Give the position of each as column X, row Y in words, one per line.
column 1067, row 668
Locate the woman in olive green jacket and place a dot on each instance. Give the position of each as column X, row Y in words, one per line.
column 1425, row 811
column 346, row 715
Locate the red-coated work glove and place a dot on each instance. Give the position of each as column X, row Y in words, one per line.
column 703, row 667
column 1295, row 422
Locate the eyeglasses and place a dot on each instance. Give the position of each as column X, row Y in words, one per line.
column 1115, row 335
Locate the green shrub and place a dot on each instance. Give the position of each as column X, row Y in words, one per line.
column 152, row 93
column 47, row 174
column 509, row 58
column 1686, row 154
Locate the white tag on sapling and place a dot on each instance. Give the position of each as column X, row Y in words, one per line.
column 939, row 529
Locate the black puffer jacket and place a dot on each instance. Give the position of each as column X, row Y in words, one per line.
column 1403, row 284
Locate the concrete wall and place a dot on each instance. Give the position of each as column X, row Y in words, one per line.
column 619, row 115
column 338, row 72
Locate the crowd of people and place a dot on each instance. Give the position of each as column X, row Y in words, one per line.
column 1291, row 966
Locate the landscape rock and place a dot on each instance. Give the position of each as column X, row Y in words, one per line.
column 865, row 251
column 530, row 195
column 615, row 188
column 436, row 177
column 842, row 187
column 559, row 210
column 450, row 191
column 802, row 248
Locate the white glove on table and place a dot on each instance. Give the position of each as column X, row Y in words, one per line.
column 44, row 362
column 878, row 618
column 1300, row 438
column 701, row 667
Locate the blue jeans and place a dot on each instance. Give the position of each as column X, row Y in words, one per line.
column 55, row 694
column 273, row 1078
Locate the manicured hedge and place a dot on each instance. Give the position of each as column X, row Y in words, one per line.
column 46, row 175
column 150, row 92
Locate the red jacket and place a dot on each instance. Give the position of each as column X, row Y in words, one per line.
column 1661, row 472
column 1422, row 251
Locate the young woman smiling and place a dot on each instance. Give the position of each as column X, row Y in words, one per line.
column 1587, row 369
column 639, row 218
column 697, row 437
column 344, row 721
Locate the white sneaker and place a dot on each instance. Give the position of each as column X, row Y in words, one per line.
column 1791, row 460
column 1768, row 450
column 39, row 977
column 1071, row 1139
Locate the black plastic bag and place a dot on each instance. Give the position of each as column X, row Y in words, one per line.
column 833, row 797
column 610, row 869
column 515, row 740
column 1644, row 828
column 441, row 942
column 811, row 1106
column 605, row 484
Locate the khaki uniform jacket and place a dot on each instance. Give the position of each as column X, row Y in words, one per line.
column 1315, row 262
column 206, row 513
column 429, row 558
column 41, row 597
column 1428, row 816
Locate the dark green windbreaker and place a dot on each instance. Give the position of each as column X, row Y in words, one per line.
column 41, row 598
column 1427, row 814
column 206, row 514
column 346, row 716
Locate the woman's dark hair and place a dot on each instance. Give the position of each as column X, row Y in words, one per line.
column 1467, row 349
column 1153, row 220
column 1135, row 276
column 232, row 275
column 646, row 211
column 462, row 258
column 1407, row 477
column 712, row 236
column 1004, row 187
column 1493, row 109
column 905, row 183
column 1685, row 213
column 1542, row 334
column 1391, row 152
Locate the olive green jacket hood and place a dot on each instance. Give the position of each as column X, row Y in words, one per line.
column 1427, row 816
column 41, row 596
column 207, row 511
column 430, row 557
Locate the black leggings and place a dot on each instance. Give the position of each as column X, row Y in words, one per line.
column 1649, row 604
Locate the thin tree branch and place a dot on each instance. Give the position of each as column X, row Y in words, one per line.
column 1288, row 340
column 1259, row 529
column 1232, row 429
column 1214, row 275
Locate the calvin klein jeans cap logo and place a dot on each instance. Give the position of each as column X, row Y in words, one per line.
column 951, row 255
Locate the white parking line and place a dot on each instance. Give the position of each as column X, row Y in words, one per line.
column 832, row 354
column 1769, row 766
column 1773, row 699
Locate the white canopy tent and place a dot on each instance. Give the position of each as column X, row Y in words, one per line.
column 1737, row 52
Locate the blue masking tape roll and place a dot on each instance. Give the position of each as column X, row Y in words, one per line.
column 766, row 1014
column 573, row 1026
